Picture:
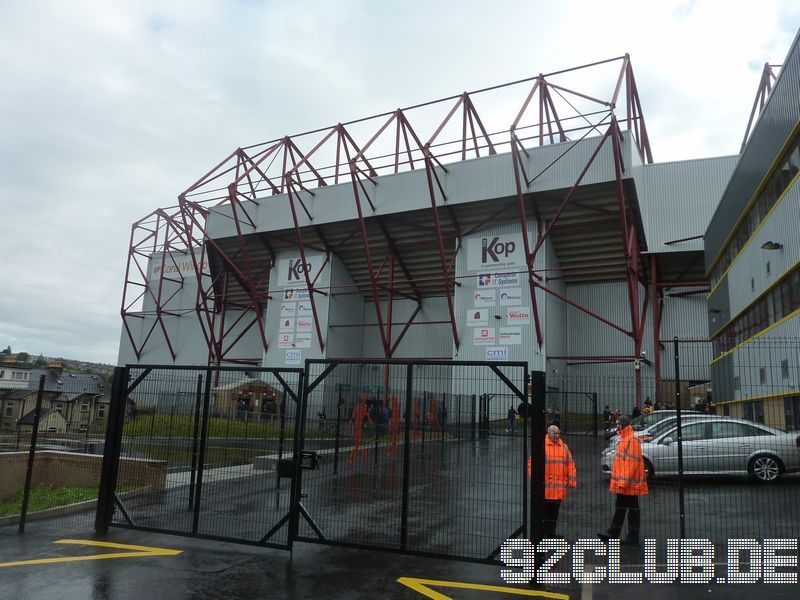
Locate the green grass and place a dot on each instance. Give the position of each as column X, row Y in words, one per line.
column 216, row 456
column 43, row 497
column 145, row 425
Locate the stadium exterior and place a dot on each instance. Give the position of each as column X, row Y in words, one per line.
column 752, row 248
column 545, row 235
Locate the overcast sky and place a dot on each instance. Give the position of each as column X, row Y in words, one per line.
column 108, row 110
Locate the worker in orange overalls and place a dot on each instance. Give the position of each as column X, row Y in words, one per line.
column 628, row 482
column 360, row 412
column 559, row 474
column 394, row 426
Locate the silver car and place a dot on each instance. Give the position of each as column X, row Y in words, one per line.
column 714, row 446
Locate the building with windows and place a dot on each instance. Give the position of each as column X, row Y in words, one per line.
column 752, row 256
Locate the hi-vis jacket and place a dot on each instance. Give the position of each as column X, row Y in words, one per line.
column 627, row 473
column 559, row 470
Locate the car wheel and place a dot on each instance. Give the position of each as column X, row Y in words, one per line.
column 765, row 468
column 649, row 471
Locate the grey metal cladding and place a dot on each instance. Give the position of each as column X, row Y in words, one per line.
column 771, row 131
column 719, row 307
column 677, row 199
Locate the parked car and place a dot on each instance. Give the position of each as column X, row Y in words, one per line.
column 720, row 446
column 648, row 433
column 644, row 421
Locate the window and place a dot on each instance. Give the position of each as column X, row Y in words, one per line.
column 785, row 368
column 18, row 376
column 737, row 383
column 791, row 411
column 722, row 429
column 726, row 410
column 769, row 272
column 693, row 432
column 754, row 411
column 85, row 407
column 762, row 375
column 101, row 411
column 9, row 409
column 59, row 407
column 752, row 285
column 2, row 374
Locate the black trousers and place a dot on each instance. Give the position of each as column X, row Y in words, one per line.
column 626, row 505
column 550, row 517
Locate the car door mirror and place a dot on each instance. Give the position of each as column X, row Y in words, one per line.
column 667, row 441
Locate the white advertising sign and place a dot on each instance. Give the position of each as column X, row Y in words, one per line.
column 483, row 336
column 496, row 353
column 287, row 309
column 173, row 265
column 285, row 340
column 484, row 297
column 293, row 294
column 477, row 317
column 496, row 280
column 510, row 297
column 510, row 336
column 293, row 357
column 287, row 325
column 302, row 340
column 518, row 315
column 291, row 271
column 304, row 308
column 495, row 252
column 304, row 324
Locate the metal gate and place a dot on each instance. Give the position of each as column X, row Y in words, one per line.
column 396, row 455
column 199, row 452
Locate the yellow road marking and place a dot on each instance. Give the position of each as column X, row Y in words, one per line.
column 135, row 551
column 421, row 586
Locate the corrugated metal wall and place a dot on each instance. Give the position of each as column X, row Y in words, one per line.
column 668, row 192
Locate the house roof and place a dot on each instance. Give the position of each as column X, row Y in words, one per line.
column 76, row 383
column 28, row 419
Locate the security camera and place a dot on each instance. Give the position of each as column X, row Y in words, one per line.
column 644, row 353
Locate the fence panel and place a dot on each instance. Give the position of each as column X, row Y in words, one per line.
column 200, row 450
column 412, row 461
column 51, row 462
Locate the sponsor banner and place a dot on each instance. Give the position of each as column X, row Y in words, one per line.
column 484, row 298
column 178, row 263
column 497, row 280
column 477, row 317
column 495, row 251
column 510, row 336
column 287, row 325
column 302, row 340
column 304, row 308
column 287, row 309
column 496, row 353
column 294, row 294
column 483, row 336
column 518, row 315
column 293, row 357
column 285, row 340
column 503, row 280
column 304, row 324
column 291, row 271
column 510, row 297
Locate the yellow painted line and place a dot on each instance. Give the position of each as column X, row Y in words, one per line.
column 421, row 586
column 135, row 551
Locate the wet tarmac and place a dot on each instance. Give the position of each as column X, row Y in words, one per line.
column 214, row 570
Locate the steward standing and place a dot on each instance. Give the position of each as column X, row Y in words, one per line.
column 559, row 474
column 628, row 482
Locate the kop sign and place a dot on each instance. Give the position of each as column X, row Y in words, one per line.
column 495, row 251
column 292, row 271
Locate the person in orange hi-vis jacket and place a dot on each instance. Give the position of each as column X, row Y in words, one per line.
column 559, row 474
column 360, row 412
column 628, row 482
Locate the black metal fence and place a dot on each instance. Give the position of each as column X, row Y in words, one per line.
column 50, row 458
column 727, row 469
column 407, row 459
column 197, row 450
column 431, row 457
